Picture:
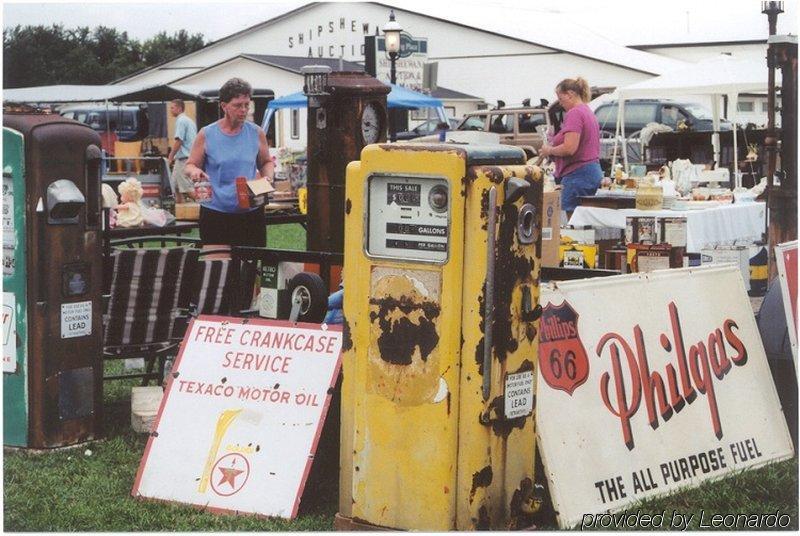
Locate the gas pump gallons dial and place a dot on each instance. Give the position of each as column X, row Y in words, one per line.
column 442, row 246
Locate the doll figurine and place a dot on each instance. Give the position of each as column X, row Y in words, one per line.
column 129, row 211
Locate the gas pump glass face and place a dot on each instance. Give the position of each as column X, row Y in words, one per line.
column 370, row 124
column 408, row 218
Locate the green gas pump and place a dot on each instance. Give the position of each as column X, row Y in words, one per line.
column 15, row 335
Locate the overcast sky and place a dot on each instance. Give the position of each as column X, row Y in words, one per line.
column 625, row 21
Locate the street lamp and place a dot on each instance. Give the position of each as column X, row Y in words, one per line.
column 391, row 33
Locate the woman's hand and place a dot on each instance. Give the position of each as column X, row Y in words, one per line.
column 196, row 174
column 545, row 151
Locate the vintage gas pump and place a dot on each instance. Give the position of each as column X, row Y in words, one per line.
column 346, row 111
column 441, row 305
column 52, row 278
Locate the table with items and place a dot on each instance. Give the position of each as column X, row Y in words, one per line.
column 709, row 224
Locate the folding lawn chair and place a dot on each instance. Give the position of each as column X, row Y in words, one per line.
column 147, row 312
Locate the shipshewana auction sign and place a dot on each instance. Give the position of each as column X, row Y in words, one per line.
column 241, row 416
column 667, row 386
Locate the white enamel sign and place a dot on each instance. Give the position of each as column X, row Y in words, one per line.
column 663, row 386
column 518, row 396
column 241, row 416
column 9, row 333
column 76, row 319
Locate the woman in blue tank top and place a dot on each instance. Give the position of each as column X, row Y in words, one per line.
column 229, row 148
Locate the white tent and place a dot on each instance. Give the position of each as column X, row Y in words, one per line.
column 722, row 75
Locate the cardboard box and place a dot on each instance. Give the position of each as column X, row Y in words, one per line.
column 641, row 230
column 738, row 255
column 585, row 235
column 551, row 229
column 187, row 211
column 574, row 255
column 672, row 231
column 649, row 257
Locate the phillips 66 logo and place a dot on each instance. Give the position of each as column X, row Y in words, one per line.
column 562, row 357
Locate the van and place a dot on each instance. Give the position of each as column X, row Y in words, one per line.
column 130, row 121
column 640, row 112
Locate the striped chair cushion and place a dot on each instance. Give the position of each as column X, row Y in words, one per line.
column 214, row 288
column 150, row 289
column 213, row 284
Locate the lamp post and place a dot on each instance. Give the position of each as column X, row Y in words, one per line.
column 391, row 33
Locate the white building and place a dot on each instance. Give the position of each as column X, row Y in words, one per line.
column 491, row 55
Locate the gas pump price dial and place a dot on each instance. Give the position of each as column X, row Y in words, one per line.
column 408, row 218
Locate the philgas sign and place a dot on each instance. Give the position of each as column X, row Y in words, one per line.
column 687, row 379
column 241, row 416
column 648, row 394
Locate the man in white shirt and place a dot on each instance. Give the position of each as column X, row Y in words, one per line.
column 185, row 132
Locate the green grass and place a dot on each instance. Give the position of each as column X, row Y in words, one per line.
column 286, row 236
column 68, row 490
column 760, row 491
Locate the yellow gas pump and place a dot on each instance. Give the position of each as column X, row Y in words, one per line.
column 441, row 305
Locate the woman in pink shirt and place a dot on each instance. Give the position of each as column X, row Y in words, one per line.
column 576, row 147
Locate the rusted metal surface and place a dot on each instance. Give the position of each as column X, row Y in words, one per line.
column 56, row 149
column 332, row 148
column 782, row 199
column 404, row 335
column 496, row 506
column 421, row 449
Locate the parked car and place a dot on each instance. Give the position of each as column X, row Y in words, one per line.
column 640, row 112
column 516, row 126
column 130, row 121
column 424, row 129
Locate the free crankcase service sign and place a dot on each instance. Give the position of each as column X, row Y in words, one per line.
column 241, row 416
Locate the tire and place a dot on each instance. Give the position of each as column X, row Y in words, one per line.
column 314, row 296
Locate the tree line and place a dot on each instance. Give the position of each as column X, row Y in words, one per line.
column 51, row 55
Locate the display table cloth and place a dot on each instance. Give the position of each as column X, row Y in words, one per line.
column 729, row 224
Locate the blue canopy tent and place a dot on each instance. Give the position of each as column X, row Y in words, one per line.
column 399, row 97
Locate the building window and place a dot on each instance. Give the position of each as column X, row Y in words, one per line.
column 420, row 114
column 450, row 111
column 295, row 124
column 764, row 106
column 746, row 106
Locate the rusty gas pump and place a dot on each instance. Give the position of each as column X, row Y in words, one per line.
column 52, row 278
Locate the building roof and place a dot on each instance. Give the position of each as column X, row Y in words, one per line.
column 545, row 29
column 700, row 44
column 549, row 30
column 295, row 63
column 450, row 94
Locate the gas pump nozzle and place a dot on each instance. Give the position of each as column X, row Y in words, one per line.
column 64, row 202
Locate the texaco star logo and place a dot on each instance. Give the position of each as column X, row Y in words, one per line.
column 230, row 474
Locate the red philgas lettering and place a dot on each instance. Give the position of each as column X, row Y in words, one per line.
column 736, row 342
column 623, row 410
column 706, row 361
